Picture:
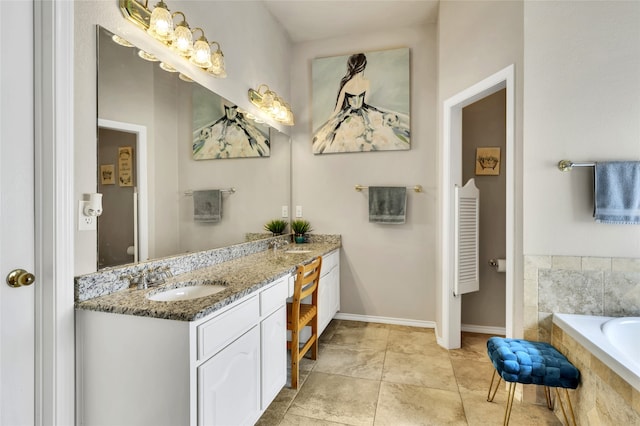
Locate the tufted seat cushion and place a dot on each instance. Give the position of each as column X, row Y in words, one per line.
column 528, row 362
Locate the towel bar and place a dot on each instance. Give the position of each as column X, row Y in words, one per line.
column 567, row 165
column 189, row 192
column 416, row 188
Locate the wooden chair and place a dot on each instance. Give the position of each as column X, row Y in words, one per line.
column 300, row 315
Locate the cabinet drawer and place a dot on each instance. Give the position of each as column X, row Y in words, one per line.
column 273, row 297
column 215, row 334
column 330, row 261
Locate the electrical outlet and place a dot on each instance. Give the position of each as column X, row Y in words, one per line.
column 298, row 211
column 86, row 223
column 285, row 211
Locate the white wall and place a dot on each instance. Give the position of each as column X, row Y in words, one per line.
column 386, row 270
column 250, row 61
column 475, row 40
column 582, row 103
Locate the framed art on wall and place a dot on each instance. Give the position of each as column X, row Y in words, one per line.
column 488, row 161
column 361, row 102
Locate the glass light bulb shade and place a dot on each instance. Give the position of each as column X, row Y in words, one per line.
column 147, row 56
column 276, row 108
column 267, row 99
column 217, row 65
column 119, row 40
column 161, row 23
column 183, row 41
column 167, row 67
column 185, row 78
column 201, row 55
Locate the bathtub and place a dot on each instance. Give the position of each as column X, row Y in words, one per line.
column 614, row 341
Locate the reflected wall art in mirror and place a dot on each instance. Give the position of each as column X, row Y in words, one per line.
column 164, row 124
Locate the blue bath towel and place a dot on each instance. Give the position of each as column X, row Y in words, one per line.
column 617, row 192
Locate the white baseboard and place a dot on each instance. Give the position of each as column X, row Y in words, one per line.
column 483, row 329
column 385, row 320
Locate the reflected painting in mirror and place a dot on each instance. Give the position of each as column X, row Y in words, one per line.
column 161, row 120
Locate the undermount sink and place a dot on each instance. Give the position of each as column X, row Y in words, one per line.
column 298, row 251
column 186, row 292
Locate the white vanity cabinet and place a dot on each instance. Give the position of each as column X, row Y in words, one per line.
column 224, row 369
column 328, row 293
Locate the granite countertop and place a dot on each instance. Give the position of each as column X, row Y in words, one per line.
column 242, row 276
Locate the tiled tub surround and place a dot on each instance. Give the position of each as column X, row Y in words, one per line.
column 596, row 286
column 603, row 397
column 243, row 268
column 578, row 285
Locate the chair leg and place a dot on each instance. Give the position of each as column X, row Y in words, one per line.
column 295, row 358
column 510, row 395
column 490, row 396
column 314, row 332
column 564, row 414
column 547, row 395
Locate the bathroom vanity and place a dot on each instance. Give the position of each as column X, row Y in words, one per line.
column 214, row 360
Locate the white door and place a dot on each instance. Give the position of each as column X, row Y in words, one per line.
column 17, row 314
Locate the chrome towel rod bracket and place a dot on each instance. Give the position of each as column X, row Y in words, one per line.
column 567, row 165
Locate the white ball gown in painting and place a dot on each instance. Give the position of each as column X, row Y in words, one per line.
column 231, row 136
column 362, row 127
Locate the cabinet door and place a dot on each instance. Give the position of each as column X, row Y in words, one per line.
column 274, row 355
column 229, row 383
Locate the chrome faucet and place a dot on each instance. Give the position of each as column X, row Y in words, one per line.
column 276, row 244
column 149, row 278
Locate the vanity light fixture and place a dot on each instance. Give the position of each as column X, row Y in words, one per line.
column 217, row 62
column 167, row 67
column 185, row 78
column 271, row 104
column 182, row 37
column 178, row 37
column 161, row 23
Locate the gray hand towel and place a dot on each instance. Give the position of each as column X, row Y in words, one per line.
column 207, row 205
column 617, row 192
column 387, row 204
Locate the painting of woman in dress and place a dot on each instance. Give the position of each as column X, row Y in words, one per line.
column 368, row 113
column 221, row 131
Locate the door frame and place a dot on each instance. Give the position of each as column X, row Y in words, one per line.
column 451, row 174
column 54, row 212
column 141, row 179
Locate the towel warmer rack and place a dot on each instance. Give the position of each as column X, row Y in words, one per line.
column 416, row 188
column 189, row 192
column 567, row 165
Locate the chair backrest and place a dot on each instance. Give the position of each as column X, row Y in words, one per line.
column 307, row 279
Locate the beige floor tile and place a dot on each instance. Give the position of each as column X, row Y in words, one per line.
column 474, row 346
column 293, row 420
column 349, row 361
column 361, row 324
column 480, row 412
column 471, row 374
column 412, row 329
column 400, row 404
column 420, row 370
column 329, row 331
column 337, row 398
column 364, row 336
column 413, row 342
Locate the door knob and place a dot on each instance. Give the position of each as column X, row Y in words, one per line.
column 20, row 277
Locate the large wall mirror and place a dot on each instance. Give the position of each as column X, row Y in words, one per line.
column 161, row 163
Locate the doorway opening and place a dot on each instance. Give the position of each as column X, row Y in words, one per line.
column 452, row 175
column 122, row 228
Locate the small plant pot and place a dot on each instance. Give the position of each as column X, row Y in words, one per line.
column 300, row 239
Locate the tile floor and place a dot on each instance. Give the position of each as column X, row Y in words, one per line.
column 378, row 374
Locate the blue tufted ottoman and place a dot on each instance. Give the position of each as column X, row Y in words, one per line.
column 527, row 362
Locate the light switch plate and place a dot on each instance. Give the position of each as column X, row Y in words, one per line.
column 298, row 211
column 285, row 211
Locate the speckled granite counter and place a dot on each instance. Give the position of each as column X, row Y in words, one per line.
column 242, row 276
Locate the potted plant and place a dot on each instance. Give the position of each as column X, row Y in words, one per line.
column 300, row 227
column 276, row 226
